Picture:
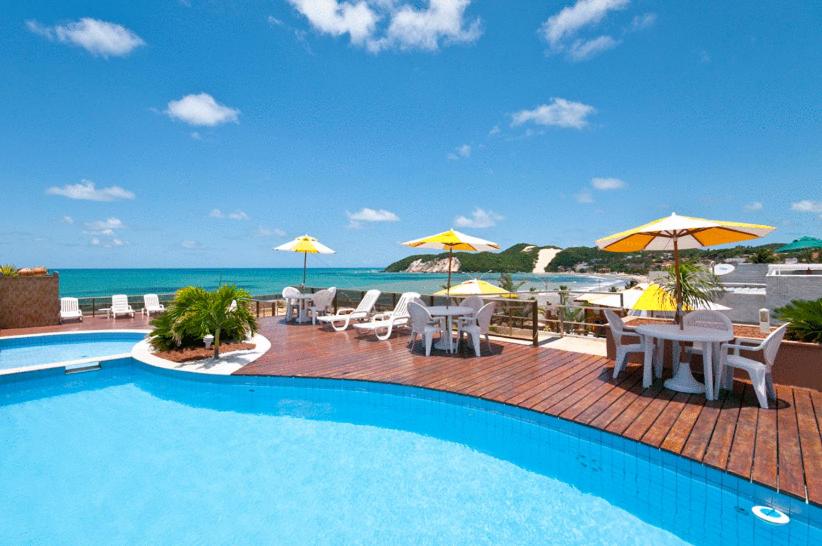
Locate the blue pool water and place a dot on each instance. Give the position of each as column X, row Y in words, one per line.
column 135, row 455
column 27, row 351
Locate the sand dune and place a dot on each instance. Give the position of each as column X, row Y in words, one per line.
column 544, row 258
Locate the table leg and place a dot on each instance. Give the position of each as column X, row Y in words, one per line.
column 648, row 362
column 660, row 357
column 708, row 368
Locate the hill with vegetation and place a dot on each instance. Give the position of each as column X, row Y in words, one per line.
column 518, row 258
column 522, row 257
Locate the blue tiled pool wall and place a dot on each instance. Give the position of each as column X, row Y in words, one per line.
column 79, row 337
column 699, row 504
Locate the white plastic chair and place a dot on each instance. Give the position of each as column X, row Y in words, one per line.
column 120, row 306
column 706, row 319
column 321, row 301
column 292, row 304
column 622, row 349
column 345, row 315
column 70, row 309
column 480, row 326
column 422, row 324
column 759, row 372
column 151, row 304
column 475, row 303
column 388, row 321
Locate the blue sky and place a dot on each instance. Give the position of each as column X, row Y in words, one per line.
column 205, row 132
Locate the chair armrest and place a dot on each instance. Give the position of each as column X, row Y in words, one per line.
column 345, row 310
column 380, row 316
column 739, row 347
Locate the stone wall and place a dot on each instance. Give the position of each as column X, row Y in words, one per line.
column 29, row 301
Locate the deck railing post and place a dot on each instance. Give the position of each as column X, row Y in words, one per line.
column 535, row 324
column 258, row 308
column 93, row 306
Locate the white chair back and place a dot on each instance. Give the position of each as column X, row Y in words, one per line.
column 69, row 305
column 322, row 299
column 119, row 302
column 151, row 301
column 368, row 301
column 616, row 324
column 484, row 316
column 770, row 347
column 420, row 317
column 289, row 292
column 401, row 310
column 708, row 319
column 474, row 302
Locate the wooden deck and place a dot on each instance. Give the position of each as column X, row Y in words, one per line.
column 780, row 447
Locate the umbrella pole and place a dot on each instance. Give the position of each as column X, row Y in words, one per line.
column 678, row 286
column 305, row 264
column 448, row 289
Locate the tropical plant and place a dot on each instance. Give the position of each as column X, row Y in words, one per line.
column 195, row 313
column 506, row 282
column 805, row 317
column 762, row 255
column 698, row 284
column 8, row 270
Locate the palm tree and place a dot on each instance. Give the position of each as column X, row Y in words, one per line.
column 506, row 282
column 805, row 317
column 698, row 285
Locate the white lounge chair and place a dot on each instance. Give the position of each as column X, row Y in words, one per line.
column 760, row 372
column 321, row 302
column 290, row 295
column 151, row 304
column 622, row 349
column 388, row 321
column 422, row 324
column 70, row 309
column 120, row 306
column 345, row 315
column 480, row 326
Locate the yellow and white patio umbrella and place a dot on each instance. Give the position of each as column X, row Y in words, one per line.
column 654, row 298
column 475, row 287
column 675, row 233
column 307, row 245
column 452, row 240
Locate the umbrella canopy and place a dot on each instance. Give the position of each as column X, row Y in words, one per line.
column 675, row 232
column 307, row 245
column 803, row 243
column 654, row 298
column 452, row 240
column 625, row 299
column 474, row 287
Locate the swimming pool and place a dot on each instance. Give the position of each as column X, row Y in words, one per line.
column 25, row 351
column 129, row 454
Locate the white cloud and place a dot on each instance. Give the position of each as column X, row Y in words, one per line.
column 104, row 232
column 559, row 113
column 584, row 197
column 582, row 50
column 274, row 22
column 87, row 191
column 68, row 220
column 201, row 109
column 753, row 206
column 236, row 215
column 641, row 22
column 370, row 215
column 561, row 29
column 266, row 232
column 607, row 183
column 480, row 218
column 391, row 24
column 807, row 205
column 460, row 152
column 97, row 37
column 191, row 245
column 495, row 130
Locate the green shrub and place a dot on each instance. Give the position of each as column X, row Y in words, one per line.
column 805, row 317
column 8, row 270
column 196, row 312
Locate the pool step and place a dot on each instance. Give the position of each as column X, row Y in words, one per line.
column 82, row 367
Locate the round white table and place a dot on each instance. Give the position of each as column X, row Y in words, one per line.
column 683, row 380
column 446, row 343
column 303, row 317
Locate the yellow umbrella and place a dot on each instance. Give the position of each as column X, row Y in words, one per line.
column 654, row 298
column 307, row 245
column 675, row 232
column 452, row 240
column 475, row 287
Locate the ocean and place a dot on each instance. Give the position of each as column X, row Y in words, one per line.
column 82, row 283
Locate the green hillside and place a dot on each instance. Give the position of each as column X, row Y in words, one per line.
column 510, row 260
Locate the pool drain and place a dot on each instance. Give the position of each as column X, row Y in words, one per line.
column 771, row 515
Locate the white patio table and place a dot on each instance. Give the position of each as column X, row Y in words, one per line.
column 683, row 380
column 446, row 342
column 303, row 317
